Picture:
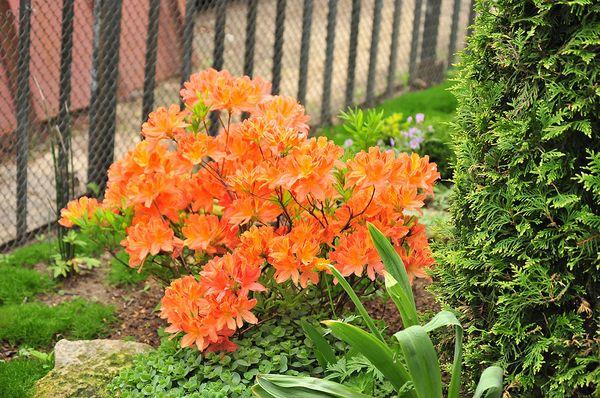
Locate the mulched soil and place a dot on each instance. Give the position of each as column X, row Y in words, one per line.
column 387, row 311
column 135, row 306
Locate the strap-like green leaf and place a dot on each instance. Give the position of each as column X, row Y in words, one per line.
column 375, row 350
column 402, row 300
column 392, row 261
column 311, row 386
column 323, row 351
column 490, row 383
column 446, row 318
column 359, row 306
column 422, row 361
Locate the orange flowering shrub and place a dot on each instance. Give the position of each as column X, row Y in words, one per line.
column 261, row 203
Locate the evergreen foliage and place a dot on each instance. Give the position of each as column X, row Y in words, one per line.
column 524, row 261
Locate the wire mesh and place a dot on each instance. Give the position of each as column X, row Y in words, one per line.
column 82, row 75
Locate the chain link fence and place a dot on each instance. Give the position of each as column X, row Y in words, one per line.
column 77, row 78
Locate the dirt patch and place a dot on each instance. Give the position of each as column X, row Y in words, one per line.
column 134, row 305
column 386, row 309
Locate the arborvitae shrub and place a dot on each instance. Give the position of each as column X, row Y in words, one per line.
column 524, row 261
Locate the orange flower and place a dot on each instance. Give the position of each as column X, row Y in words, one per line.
column 285, row 112
column 148, row 237
column 354, row 252
column 164, row 123
column 77, row 211
column 371, row 169
column 208, row 233
column 250, row 208
column 221, row 91
column 197, row 148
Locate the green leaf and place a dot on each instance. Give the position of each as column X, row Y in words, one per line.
column 376, row 351
column 422, row 361
column 361, row 309
column 392, row 261
column 446, row 318
column 490, row 383
column 323, row 351
column 289, row 386
column 403, row 302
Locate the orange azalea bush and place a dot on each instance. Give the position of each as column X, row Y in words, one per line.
column 257, row 205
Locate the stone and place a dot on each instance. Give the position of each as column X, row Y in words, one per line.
column 84, row 368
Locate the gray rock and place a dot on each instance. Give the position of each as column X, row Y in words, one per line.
column 84, row 368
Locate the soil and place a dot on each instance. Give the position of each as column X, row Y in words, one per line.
column 386, row 310
column 135, row 306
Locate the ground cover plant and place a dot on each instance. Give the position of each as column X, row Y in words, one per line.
column 523, row 264
column 277, row 345
column 240, row 223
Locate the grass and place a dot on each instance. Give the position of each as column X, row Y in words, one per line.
column 39, row 325
column 30, row 255
column 28, row 323
column 18, row 284
column 18, row 376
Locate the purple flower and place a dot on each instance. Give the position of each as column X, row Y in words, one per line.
column 409, row 119
column 392, row 142
column 419, row 117
column 348, row 143
column 415, row 142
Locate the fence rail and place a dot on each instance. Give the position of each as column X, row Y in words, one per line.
column 86, row 74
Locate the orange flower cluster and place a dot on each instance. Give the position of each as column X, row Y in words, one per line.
column 260, row 194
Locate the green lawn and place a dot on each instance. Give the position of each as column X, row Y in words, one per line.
column 26, row 322
column 18, row 376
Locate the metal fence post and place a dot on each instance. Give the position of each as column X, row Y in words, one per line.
column 354, row 28
column 373, row 51
column 304, row 50
column 150, row 63
column 429, row 66
column 471, row 16
column 102, row 132
column 453, row 32
column 187, row 40
column 250, row 37
column 22, row 113
column 391, row 77
column 414, row 42
column 218, row 51
column 64, row 188
column 278, row 45
column 329, row 48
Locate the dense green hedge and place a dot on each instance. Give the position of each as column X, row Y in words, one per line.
column 524, row 262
